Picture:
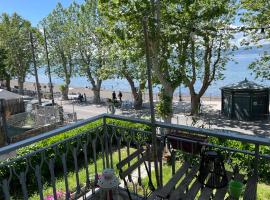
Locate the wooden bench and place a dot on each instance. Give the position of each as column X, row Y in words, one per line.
column 185, row 185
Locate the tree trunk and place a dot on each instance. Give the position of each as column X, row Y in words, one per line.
column 195, row 104
column 138, row 100
column 65, row 92
column 137, row 95
column 166, row 103
column 8, row 84
column 20, row 85
column 96, row 92
column 168, row 118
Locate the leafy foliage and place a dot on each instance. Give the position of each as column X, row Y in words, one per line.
column 14, row 39
column 164, row 108
column 257, row 15
column 246, row 162
column 3, row 65
column 59, row 25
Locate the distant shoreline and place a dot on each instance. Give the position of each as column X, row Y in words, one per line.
column 105, row 93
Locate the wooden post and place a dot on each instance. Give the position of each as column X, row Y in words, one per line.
column 35, row 68
column 3, row 125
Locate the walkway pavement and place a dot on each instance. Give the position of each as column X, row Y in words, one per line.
column 210, row 116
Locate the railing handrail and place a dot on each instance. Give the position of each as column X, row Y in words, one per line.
column 263, row 140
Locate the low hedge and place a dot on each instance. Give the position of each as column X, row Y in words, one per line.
column 246, row 162
column 82, row 129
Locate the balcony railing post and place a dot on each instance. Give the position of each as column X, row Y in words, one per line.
column 5, row 188
column 106, row 141
column 160, row 154
column 257, row 160
column 3, row 124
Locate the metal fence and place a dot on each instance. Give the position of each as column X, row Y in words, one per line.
column 30, row 172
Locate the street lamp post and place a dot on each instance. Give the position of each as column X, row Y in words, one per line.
column 35, row 68
column 49, row 68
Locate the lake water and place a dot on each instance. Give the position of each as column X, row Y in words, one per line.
column 233, row 73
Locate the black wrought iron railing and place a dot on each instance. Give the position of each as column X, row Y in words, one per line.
column 68, row 161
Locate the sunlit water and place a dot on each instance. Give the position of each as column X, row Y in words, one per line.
column 233, row 73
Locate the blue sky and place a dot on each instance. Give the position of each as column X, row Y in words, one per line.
column 32, row 10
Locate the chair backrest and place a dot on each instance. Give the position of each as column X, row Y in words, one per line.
column 128, row 160
column 134, row 161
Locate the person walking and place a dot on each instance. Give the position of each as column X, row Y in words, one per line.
column 120, row 95
column 85, row 99
column 114, row 96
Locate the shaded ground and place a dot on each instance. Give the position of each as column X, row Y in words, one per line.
column 210, row 116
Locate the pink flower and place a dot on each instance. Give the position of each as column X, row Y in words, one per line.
column 49, row 197
column 59, row 195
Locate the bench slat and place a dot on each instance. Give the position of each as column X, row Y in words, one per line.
column 220, row 193
column 206, row 191
column 129, row 158
column 129, row 170
column 194, row 189
column 165, row 191
column 251, row 188
column 178, row 193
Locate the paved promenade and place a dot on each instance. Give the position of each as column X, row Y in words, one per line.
column 210, row 116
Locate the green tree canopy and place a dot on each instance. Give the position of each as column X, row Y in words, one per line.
column 257, row 14
column 126, row 52
column 14, row 38
column 59, row 25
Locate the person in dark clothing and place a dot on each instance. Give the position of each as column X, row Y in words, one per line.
column 80, row 97
column 120, row 95
column 85, row 99
column 114, row 96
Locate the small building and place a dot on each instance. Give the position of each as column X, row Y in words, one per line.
column 13, row 103
column 245, row 100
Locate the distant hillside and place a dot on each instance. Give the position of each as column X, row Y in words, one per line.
column 253, row 50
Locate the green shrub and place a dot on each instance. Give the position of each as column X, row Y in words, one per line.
column 246, row 162
column 164, row 106
column 62, row 88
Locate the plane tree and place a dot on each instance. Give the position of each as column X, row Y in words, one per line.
column 5, row 74
column 127, row 20
column 14, row 39
column 91, row 45
column 126, row 52
column 204, row 51
column 58, row 25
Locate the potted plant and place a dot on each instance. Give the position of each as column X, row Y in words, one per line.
column 235, row 189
